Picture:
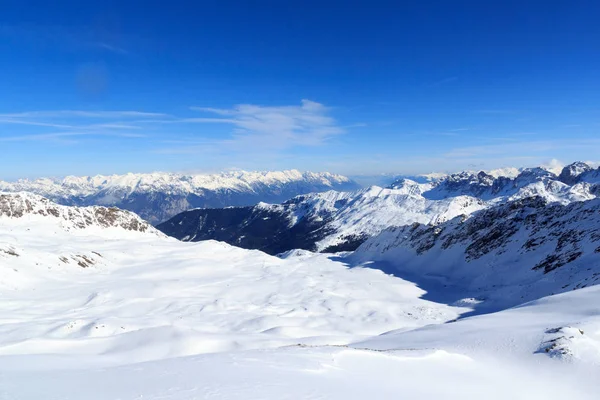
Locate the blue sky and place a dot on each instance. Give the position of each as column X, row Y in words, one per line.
column 350, row 87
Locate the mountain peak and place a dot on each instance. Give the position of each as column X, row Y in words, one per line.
column 571, row 173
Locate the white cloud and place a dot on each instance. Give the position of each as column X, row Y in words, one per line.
column 256, row 128
column 554, row 166
column 593, row 164
column 65, row 126
column 307, row 124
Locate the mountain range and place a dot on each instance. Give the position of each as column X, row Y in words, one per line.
column 159, row 196
column 340, row 221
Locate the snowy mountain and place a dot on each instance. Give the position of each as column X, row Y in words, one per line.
column 571, row 185
column 159, row 196
column 87, row 312
column 504, row 255
column 388, row 179
column 330, row 221
column 340, row 221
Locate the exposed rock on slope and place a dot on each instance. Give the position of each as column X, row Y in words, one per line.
column 25, row 205
column 330, row 221
column 521, row 250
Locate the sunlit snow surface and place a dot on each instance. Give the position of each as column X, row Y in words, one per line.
column 113, row 314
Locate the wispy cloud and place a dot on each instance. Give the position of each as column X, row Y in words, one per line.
column 59, row 136
column 443, row 81
column 81, row 113
column 307, row 124
column 4, row 121
column 268, row 131
column 69, row 126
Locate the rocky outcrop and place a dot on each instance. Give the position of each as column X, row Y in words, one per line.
column 571, row 173
column 22, row 205
column 520, row 241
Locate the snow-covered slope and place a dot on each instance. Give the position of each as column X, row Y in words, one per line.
column 340, row 221
column 546, row 350
column 158, row 196
column 145, row 316
column 90, row 291
column 504, row 255
column 563, row 327
column 21, row 208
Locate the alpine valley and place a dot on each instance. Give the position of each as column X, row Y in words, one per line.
column 463, row 286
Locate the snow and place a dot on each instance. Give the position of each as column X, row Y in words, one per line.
column 371, row 210
column 367, row 212
column 167, row 182
column 510, row 172
column 507, row 255
column 17, row 208
column 149, row 317
column 158, row 196
column 302, row 373
column 144, row 296
column 530, row 329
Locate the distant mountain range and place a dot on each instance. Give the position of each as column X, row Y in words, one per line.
column 159, row 196
column 340, row 221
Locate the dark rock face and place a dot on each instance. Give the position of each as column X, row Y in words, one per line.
column 348, row 243
column 270, row 229
column 571, row 173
